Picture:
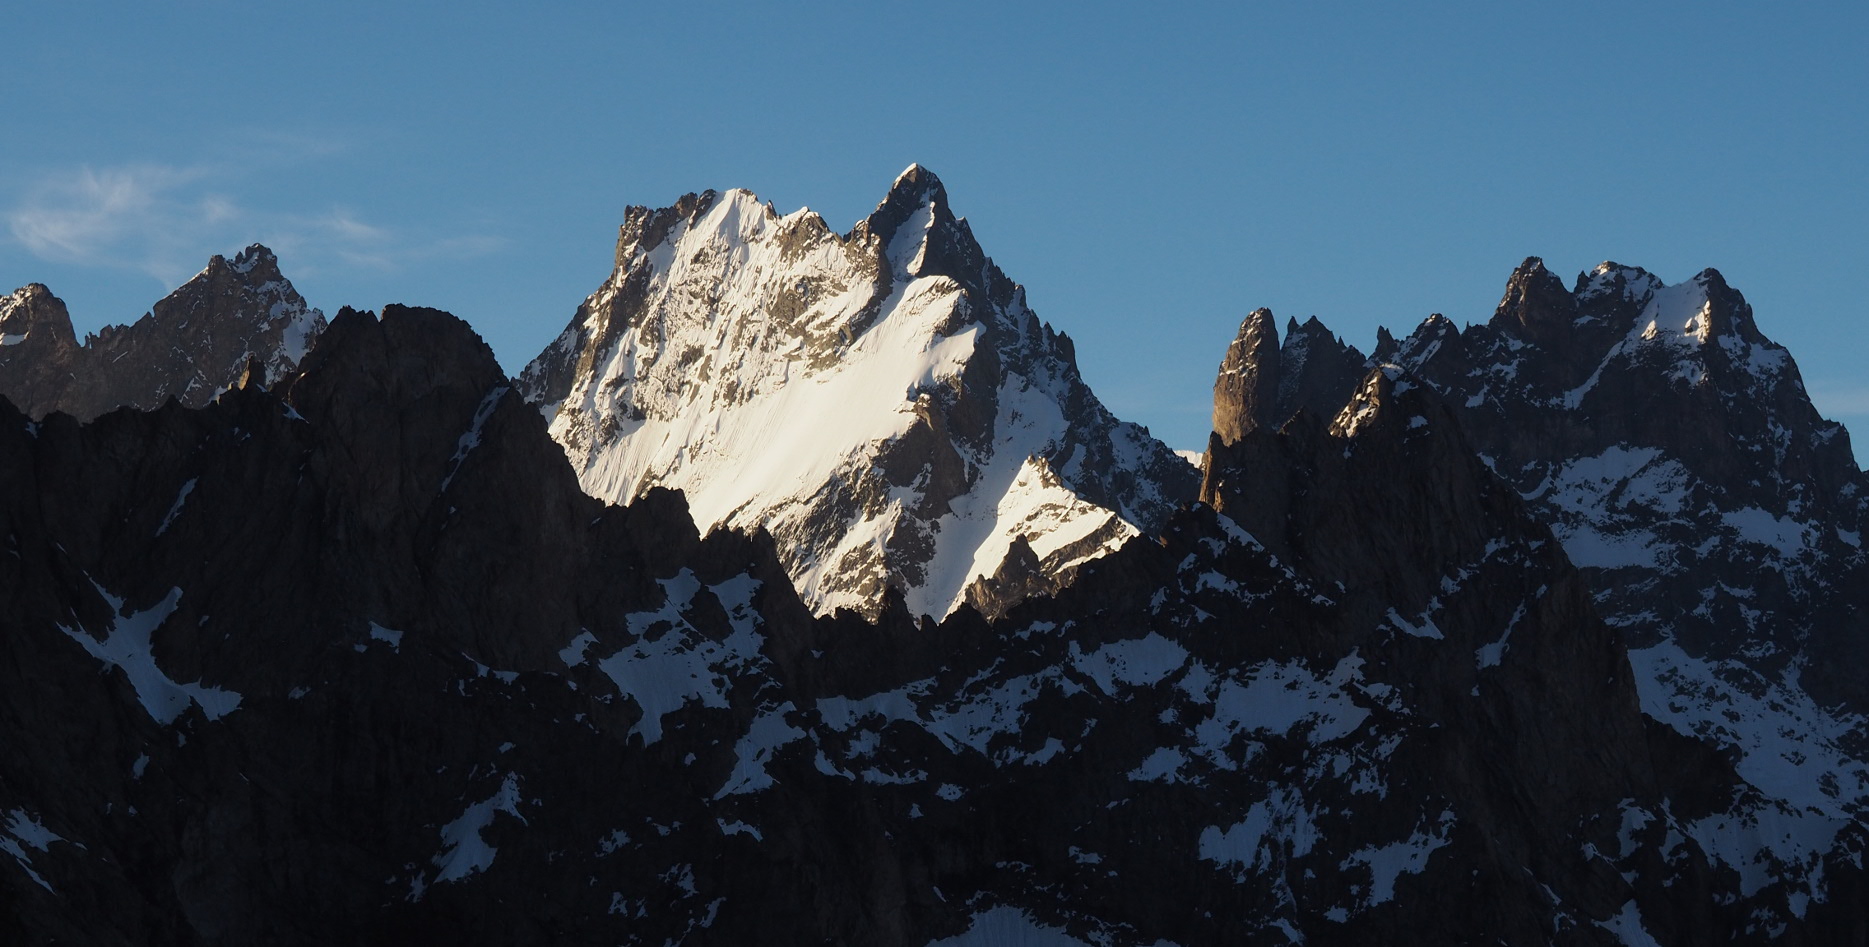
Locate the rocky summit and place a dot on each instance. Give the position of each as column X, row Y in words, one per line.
column 192, row 344
column 883, row 402
column 1539, row 630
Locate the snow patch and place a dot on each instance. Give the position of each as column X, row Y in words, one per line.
column 1386, row 863
column 1006, row 926
column 1137, row 662
column 1276, row 698
column 768, row 732
column 22, row 829
column 1425, row 628
column 128, row 647
column 672, row 662
column 1790, row 749
column 389, row 636
column 467, row 852
column 1489, row 655
column 1627, row 926
column 176, row 507
column 1275, row 828
column 1782, row 534
column 471, row 438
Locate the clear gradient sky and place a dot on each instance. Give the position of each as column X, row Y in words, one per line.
column 1149, row 174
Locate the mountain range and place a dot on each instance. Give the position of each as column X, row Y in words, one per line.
column 800, row 591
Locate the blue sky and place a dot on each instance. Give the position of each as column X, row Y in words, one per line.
column 1150, row 175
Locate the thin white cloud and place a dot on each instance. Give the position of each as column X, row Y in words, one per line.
column 164, row 220
column 122, row 217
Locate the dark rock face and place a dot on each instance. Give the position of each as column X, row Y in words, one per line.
column 1263, row 383
column 287, row 605
column 1675, row 452
column 1716, row 518
column 192, row 345
column 354, row 659
column 1441, row 579
column 38, row 350
column 1318, row 369
column 1246, row 393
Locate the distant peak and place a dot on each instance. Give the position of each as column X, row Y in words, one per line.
column 1258, row 329
column 32, row 291
column 1711, row 277
column 1246, row 389
column 1536, row 304
column 920, row 233
column 914, row 174
column 916, row 185
column 255, row 265
column 33, row 306
column 1372, row 405
column 255, row 256
column 1386, row 346
column 1611, row 268
column 1615, row 279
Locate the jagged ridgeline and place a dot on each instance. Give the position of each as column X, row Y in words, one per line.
column 354, row 658
column 1675, row 454
column 350, row 653
column 883, row 402
column 192, row 345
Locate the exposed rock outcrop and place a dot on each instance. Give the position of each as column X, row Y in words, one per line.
column 192, row 345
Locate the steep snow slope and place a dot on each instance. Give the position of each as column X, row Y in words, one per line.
column 883, row 402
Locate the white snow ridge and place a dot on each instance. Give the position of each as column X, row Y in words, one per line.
column 882, row 401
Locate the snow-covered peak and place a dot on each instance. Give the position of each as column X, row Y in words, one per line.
column 1612, row 283
column 882, row 400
